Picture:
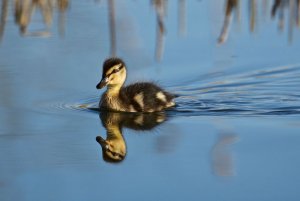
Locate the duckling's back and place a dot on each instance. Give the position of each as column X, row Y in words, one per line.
column 146, row 97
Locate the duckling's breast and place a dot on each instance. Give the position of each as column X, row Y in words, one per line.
column 111, row 103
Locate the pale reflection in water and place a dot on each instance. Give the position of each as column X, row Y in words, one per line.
column 182, row 17
column 221, row 156
column 112, row 27
column 114, row 146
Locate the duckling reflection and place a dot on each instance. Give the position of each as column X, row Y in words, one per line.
column 114, row 146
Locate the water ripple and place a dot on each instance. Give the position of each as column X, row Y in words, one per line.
column 273, row 91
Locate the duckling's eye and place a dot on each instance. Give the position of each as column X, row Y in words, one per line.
column 116, row 70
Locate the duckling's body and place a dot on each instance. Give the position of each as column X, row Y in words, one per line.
column 138, row 97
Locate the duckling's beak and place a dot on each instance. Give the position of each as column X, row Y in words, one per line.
column 102, row 83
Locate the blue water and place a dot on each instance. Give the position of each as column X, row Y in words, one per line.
column 233, row 135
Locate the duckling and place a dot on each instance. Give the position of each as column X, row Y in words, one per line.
column 138, row 97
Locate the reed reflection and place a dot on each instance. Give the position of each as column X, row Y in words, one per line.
column 278, row 10
column 4, row 7
column 293, row 8
column 112, row 27
column 286, row 13
column 160, row 8
column 182, row 17
column 231, row 6
column 114, row 146
column 24, row 11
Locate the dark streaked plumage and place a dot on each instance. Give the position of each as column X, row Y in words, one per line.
column 138, row 97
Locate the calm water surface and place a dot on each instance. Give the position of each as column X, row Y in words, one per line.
column 234, row 134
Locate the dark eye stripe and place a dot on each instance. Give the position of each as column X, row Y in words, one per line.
column 115, row 71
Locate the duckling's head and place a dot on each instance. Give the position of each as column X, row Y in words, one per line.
column 113, row 74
